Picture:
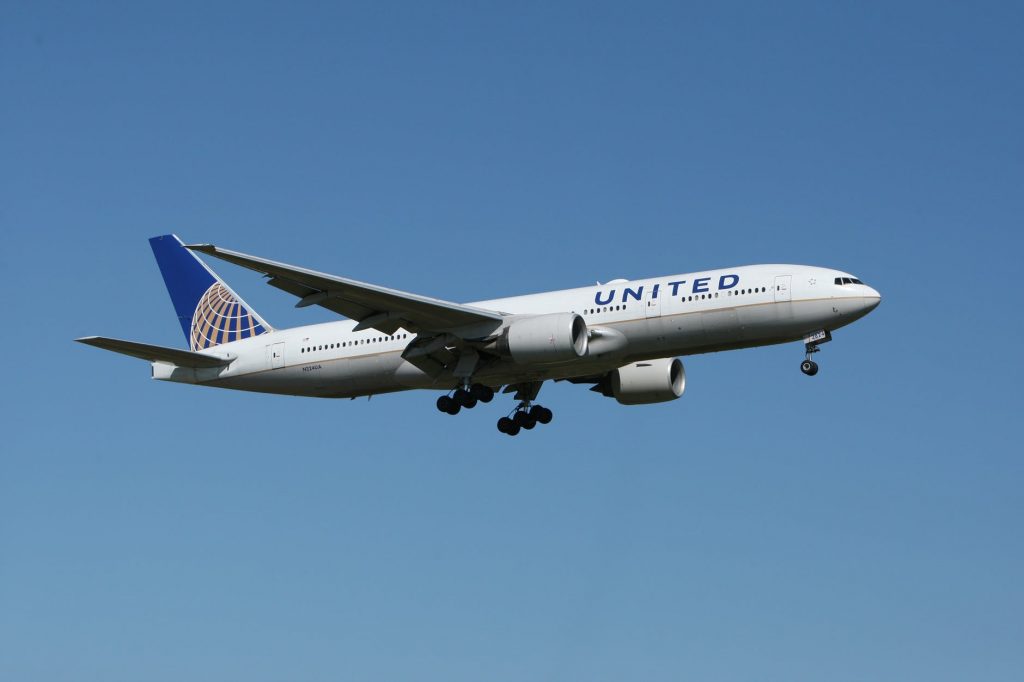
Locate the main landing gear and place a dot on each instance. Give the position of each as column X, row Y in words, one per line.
column 526, row 417
column 468, row 398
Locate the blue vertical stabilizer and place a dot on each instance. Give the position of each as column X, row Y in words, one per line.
column 209, row 312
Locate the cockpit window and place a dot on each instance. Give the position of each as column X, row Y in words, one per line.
column 848, row 280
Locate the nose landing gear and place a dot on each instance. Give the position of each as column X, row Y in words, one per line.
column 811, row 342
column 808, row 366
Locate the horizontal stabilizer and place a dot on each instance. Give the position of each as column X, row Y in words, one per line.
column 145, row 351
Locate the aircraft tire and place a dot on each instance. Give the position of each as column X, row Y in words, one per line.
column 484, row 394
column 542, row 414
column 809, row 367
column 464, row 398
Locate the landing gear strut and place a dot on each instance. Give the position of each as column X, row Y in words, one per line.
column 525, row 416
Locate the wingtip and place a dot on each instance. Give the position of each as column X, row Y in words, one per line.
column 94, row 341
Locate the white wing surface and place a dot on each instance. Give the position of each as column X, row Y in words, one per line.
column 372, row 306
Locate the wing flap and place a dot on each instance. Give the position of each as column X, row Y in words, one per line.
column 146, row 351
column 389, row 308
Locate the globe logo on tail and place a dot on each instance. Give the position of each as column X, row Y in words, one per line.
column 219, row 318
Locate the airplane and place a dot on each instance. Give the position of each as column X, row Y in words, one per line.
column 622, row 337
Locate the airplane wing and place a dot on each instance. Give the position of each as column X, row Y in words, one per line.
column 145, row 351
column 371, row 306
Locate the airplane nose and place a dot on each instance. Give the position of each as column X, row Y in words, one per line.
column 871, row 300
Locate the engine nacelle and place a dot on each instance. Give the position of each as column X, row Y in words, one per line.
column 545, row 339
column 650, row 381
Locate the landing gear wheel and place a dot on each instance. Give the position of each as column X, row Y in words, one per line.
column 505, row 425
column 484, row 394
column 464, row 398
column 524, row 420
column 444, row 403
column 542, row 414
column 809, row 367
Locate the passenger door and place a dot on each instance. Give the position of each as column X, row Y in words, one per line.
column 782, row 288
column 652, row 303
column 275, row 355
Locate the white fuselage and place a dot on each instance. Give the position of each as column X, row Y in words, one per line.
column 645, row 319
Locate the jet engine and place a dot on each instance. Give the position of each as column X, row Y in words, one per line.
column 650, row 381
column 545, row 339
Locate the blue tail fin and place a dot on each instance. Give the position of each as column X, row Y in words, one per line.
column 210, row 313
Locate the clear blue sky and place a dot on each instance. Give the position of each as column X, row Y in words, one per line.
column 862, row 525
